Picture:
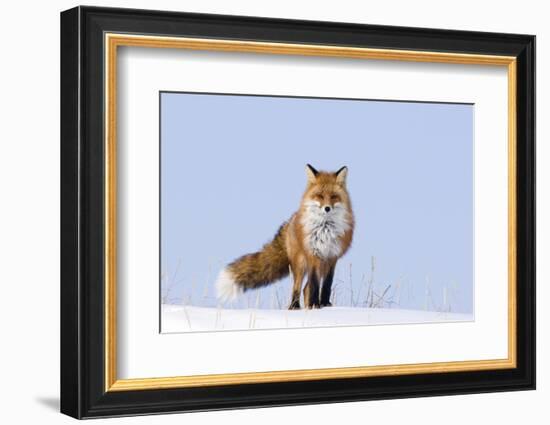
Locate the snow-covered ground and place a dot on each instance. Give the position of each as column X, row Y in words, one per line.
column 178, row 318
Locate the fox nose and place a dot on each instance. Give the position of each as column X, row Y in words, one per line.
column 327, row 208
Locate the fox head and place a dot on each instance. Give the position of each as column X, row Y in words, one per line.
column 326, row 190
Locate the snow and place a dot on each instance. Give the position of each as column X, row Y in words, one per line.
column 186, row 318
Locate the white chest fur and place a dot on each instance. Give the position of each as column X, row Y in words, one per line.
column 324, row 230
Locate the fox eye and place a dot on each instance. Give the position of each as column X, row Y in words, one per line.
column 318, row 196
column 334, row 198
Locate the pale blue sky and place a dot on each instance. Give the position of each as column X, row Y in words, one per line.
column 232, row 170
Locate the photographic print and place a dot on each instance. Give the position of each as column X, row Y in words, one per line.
column 233, row 185
column 290, row 212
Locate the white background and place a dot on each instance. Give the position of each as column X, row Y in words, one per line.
column 143, row 352
column 29, row 225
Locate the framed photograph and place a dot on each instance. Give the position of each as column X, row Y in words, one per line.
column 261, row 212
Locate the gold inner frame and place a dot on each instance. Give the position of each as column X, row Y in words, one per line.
column 113, row 41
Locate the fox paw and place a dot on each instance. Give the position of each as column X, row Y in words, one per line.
column 326, row 304
column 294, row 305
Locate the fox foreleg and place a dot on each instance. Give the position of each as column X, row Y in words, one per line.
column 311, row 290
column 298, row 276
column 327, row 288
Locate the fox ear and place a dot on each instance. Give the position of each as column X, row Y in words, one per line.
column 341, row 175
column 311, row 173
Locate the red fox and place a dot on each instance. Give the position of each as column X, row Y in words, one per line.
column 309, row 243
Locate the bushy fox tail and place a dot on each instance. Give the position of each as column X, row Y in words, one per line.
column 255, row 270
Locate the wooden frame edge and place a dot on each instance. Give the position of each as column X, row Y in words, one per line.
column 512, row 212
column 110, row 213
column 306, row 375
column 113, row 40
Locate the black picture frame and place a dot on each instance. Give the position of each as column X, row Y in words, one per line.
column 83, row 392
